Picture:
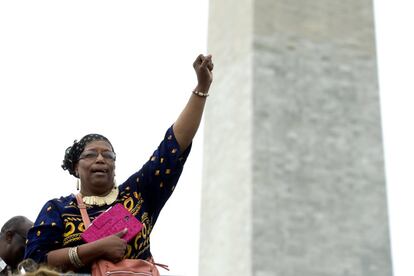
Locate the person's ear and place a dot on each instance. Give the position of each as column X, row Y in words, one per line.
column 9, row 236
column 76, row 170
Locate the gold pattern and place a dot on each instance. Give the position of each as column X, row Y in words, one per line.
column 71, row 229
column 157, row 172
column 128, row 251
column 134, row 211
column 38, row 233
column 167, row 171
column 153, row 158
column 174, row 151
column 142, row 238
column 78, row 218
column 161, row 160
column 143, row 250
column 72, row 239
column 144, row 231
column 137, row 239
column 49, row 208
column 81, row 227
column 129, row 203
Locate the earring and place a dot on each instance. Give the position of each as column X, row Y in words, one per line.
column 77, row 180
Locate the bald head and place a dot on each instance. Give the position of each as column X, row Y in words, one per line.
column 13, row 239
column 17, row 223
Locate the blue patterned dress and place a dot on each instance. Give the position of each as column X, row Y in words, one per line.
column 60, row 225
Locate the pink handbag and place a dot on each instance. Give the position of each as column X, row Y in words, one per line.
column 112, row 221
column 126, row 267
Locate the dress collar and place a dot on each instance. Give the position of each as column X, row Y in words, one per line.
column 101, row 200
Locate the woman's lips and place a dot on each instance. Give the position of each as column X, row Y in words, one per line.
column 99, row 173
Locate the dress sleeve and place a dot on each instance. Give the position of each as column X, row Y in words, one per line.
column 46, row 234
column 159, row 175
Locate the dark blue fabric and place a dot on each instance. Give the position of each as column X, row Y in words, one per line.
column 59, row 223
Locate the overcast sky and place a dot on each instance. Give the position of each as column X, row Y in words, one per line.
column 124, row 69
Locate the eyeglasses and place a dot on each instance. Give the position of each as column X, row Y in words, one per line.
column 92, row 155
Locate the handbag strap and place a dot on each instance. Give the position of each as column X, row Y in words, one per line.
column 162, row 265
column 151, row 260
column 82, row 208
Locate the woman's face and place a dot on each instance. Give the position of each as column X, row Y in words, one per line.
column 96, row 168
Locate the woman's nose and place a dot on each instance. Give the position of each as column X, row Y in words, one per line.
column 100, row 158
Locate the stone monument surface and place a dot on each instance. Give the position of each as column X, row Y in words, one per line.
column 293, row 180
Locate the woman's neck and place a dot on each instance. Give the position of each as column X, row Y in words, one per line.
column 101, row 193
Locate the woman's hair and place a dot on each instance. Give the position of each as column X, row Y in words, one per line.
column 43, row 271
column 29, row 267
column 73, row 152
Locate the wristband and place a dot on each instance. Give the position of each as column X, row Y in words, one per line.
column 201, row 94
column 74, row 257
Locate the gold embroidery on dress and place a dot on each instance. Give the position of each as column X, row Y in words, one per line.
column 69, row 229
column 129, row 251
column 143, row 250
column 71, row 239
column 72, row 217
column 81, row 227
column 142, row 240
column 129, row 204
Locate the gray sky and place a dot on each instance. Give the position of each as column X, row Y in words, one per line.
column 124, row 69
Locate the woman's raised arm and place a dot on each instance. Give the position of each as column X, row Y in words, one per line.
column 189, row 120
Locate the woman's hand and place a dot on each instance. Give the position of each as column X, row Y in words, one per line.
column 203, row 66
column 113, row 247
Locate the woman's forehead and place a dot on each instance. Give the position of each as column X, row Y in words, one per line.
column 98, row 144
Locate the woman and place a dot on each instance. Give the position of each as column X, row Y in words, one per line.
column 55, row 238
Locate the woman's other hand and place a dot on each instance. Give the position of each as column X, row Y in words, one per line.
column 114, row 247
column 203, row 66
column 111, row 248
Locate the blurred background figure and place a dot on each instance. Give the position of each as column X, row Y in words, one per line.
column 12, row 242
